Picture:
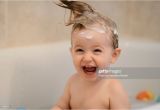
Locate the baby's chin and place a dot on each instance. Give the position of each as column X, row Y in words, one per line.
column 89, row 76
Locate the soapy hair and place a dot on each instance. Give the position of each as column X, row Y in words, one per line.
column 82, row 16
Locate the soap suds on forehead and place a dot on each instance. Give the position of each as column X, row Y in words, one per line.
column 88, row 34
column 92, row 33
column 98, row 28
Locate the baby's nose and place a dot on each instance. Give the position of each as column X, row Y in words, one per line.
column 87, row 57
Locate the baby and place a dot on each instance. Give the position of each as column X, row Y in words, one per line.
column 94, row 45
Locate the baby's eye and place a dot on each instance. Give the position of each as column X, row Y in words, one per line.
column 97, row 50
column 79, row 50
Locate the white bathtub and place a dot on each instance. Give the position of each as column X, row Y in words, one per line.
column 34, row 77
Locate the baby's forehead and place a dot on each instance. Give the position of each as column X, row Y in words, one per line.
column 91, row 33
column 91, row 44
column 95, row 27
column 89, row 39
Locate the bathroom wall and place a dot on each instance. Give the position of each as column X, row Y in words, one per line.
column 30, row 22
column 24, row 23
column 135, row 19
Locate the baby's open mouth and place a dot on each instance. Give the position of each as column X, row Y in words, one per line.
column 89, row 70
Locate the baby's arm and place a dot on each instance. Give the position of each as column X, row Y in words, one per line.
column 64, row 100
column 118, row 96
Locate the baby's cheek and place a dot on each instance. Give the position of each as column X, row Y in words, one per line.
column 104, row 61
column 76, row 60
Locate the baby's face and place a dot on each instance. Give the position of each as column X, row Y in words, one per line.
column 90, row 50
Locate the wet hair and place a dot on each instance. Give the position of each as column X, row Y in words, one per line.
column 82, row 15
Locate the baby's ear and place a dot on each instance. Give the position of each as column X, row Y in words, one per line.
column 115, row 55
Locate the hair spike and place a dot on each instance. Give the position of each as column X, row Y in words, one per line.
column 82, row 15
column 77, row 8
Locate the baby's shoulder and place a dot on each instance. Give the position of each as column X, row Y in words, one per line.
column 115, row 87
column 114, row 84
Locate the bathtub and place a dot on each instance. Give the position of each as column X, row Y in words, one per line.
column 34, row 77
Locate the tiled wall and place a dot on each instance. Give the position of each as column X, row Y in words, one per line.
column 24, row 23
